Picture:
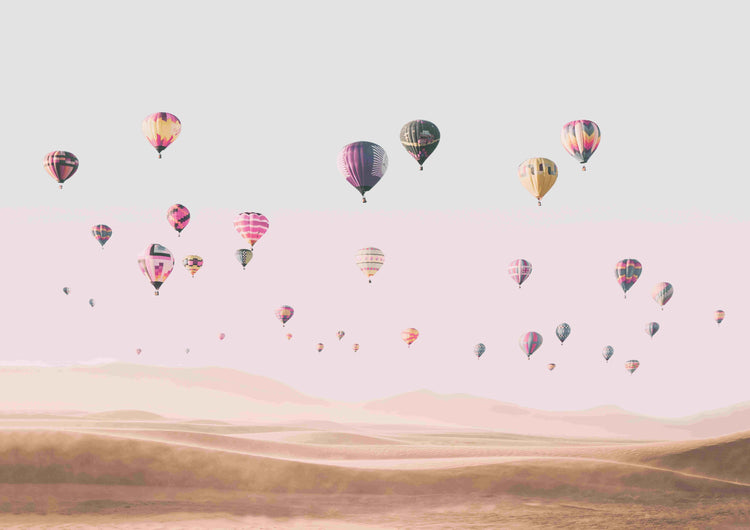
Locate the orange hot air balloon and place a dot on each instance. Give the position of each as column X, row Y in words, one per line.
column 409, row 335
column 288, row 336
column 355, row 347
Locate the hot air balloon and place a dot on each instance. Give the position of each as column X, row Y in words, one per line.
column 61, row 165
column 178, row 217
column 161, row 129
column 355, row 347
column 156, row 263
column 138, row 351
column 661, row 293
column 251, row 226
column 101, row 233
column 479, row 349
column 92, row 302
column 284, row 313
column 288, row 336
column 608, row 352
column 320, row 347
column 187, row 350
column 652, row 328
column 363, row 164
column 538, row 175
column 580, row 138
column 551, row 366
column 420, row 138
column 627, row 272
column 369, row 260
column 530, row 343
column 243, row 255
column 409, row 335
column 340, row 334
column 632, row 365
column 519, row 270
column 719, row 316
column 66, row 290
column 222, row 336
column 562, row 332
column 192, row 264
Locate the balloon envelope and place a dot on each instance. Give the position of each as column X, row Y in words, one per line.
column 178, row 217
column 92, row 302
column 519, row 270
column 652, row 328
column 608, row 352
column 101, row 233
column 719, row 316
column 530, row 342
column 66, row 290
column 138, row 351
column 562, row 331
column 156, row 263
column 192, row 263
column 409, row 335
column 363, row 164
column 538, row 175
column 627, row 272
column 340, row 334
column 221, row 336
column 251, row 226
column 580, row 138
column 369, row 260
column 662, row 292
column 161, row 129
column 61, row 165
column 551, row 366
column 632, row 365
column 479, row 349
column 355, row 347
column 320, row 346
column 288, row 336
column 243, row 255
column 420, row 138
column 284, row 313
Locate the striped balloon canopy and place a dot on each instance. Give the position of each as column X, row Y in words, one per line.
column 652, row 328
column 608, row 352
column 284, row 313
column 551, row 366
column 632, row 365
column 251, row 226
column 580, row 138
column 61, row 165
column 243, row 255
column 420, row 138
column 101, row 233
column 530, row 342
column 355, row 347
column 562, row 332
column 156, row 263
column 519, row 270
column 369, row 260
column 363, row 164
column 192, row 264
column 719, row 316
column 288, row 336
column 320, row 347
column 662, row 293
column 161, row 129
column 479, row 349
column 627, row 272
column 340, row 334
column 178, row 216
column 409, row 335
column 538, row 175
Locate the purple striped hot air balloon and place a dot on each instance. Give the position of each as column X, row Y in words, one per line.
column 61, row 165
column 363, row 164
column 627, row 272
column 178, row 217
column 251, row 226
column 519, row 270
column 530, row 343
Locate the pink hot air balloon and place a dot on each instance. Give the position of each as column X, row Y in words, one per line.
column 161, row 129
column 519, row 270
column 363, row 164
column 61, row 165
column 409, row 335
column 284, row 313
column 530, row 343
column 251, row 226
column 661, row 293
column 288, row 336
column 156, row 263
column 719, row 316
column 138, row 351
column 222, row 335
column 355, row 347
column 632, row 365
column 178, row 217
column 320, row 347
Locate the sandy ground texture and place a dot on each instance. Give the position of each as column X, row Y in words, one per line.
column 134, row 474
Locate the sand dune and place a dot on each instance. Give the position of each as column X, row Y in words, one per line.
column 124, row 415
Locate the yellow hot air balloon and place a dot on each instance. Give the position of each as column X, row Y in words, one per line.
column 409, row 335
column 161, row 129
column 538, row 175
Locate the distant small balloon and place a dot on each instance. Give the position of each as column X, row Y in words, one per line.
column 355, row 347
column 288, row 336
column 320, row 347
column 284, row 313
column 243, row 255
column 479, row 349
column 719, row 316
column 138, row 351
column 608, row 352
column 562, row 332
column 530, row 342
column 632, row 365
column 662, row 293
column 187, row 350
column 178, row 216
column 101, row 233
column 61, row 165
column 91, row 302
column 340, row 334
column 409, row 335
column 652, row 328
column 551, row 366
column 161, row 129
column 66, row 290
column 221, row 336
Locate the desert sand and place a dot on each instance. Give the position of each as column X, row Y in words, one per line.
column 122, row 470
